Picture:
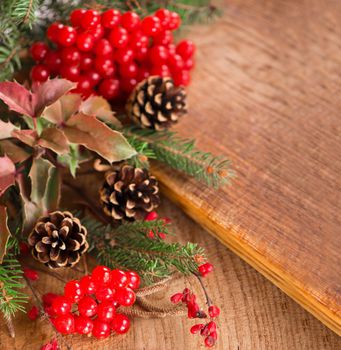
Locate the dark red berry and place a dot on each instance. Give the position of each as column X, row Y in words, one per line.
column 185, row 49
column 86, row 61
column 29, row 273
column 213, row 311
column 67, row 36
column 70, row 72
column 120, row 324
column 53, row 31
column 109, row 88
column 48, row 298
column 211, row 326
column 76, row 17
column 24, row 248
column 33, row 313
column 61, row 305
column 118, row 37
column 40, row 73
column 90, row 18
column 83, row 325
column 104, row 66
column 106, row 311
column 95, row 78
column 129, row 70
column 141, row 53
column 53, row 61
column 70, row 55
column 176, row 298
column 151, row 25
column 73, row 291
column 88, row 285
column 196, row 328
column 111, row 18
column 103, row 48
column 101, row 329
column 85, row 42
column 128, row 84
column 118, row 278
column 125, row 296
column 104, row 293
column 130, row 21
column 87, row 306
column 133, row 280
column 38, row 51
column 65, row 324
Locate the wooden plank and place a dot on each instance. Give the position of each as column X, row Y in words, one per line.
column 266, row 94
column 254, row 313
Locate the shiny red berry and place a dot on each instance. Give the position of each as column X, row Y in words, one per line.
column 40, row 73
column 101, row 329
column 125, row 296
column 161, row 70
column 53, row 61
column 88, row 285
column 85, row 42
column 111, row 18
column 104, row 293
column 61, row 305
column 128, row 84
column 38, row 51
column 176, row 298
column 24, row 248
column 76, row 17
column 118, row 278
column 175, row 63
column 95, row 78
column 33, row 313
column 87, row 306
column 70, row 55
column 48, row 298
column 65, row 324
column 106, row 311
column 83, row 325
column 120, row 324
column 73, row 291
column 104, row 66
column 29, row 273
column 103, row 48
column 141, row 53
column 211, row 326
column 174, row 21
column 185, row 49
column 97, row 32
column 86, row 61
column 213, row 311
column 90, row 19
column 214, row 335
column 130, row 21
column 151, row 25
column 181, row 78
column 164, row 16
column 158, row 55
column 189, row 64
column 133, row 280
column 138, row 39
column 67, row 36
column 163, row 38
column 129, row 70
column 153, row 215
column 109, row 88
column 53, row 31
column 205, row 269
column 70, row 72
column 118, row 37
column 196, row 328
column 124, row 55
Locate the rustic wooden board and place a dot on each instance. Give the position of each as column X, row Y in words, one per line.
column 255, row 314
column 266, row 93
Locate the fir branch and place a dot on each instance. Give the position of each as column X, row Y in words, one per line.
column 181, row 154
column 24, row 11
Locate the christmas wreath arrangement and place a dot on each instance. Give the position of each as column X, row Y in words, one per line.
column 60, row 126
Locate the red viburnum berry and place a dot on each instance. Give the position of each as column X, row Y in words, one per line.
column 120, row 324
column 133, row 279
column 205, row 269
column 24, row 248
column 52, row 345
column 197, row 328
column 33, row 313
column 64, row 324
column 151, row 216
column 213, row 311
column 48, row 298
column 30, row 274
column 176, row 298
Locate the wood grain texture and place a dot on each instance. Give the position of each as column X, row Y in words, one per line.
column 255, row 314
column 266, row 94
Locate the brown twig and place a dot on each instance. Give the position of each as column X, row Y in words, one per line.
column 208, row 299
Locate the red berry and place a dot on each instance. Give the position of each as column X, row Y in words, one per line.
column 213, row 311
column 111, row 18
column 73, row 291
column 24, row 248
column 118, row 278
column 133, row 279
column 103, row 48
column 125, row 296
column 65, row 324
column 109, row 88
column 211, row 326
column 38, row 51
column 182, row 78
column 151, row 216
column 120, row 324
column 175, row 63
column 128, row 70
column 61, row 305
column 118, row 37
column 151, row 25
column 158, row 55
column 76, row 17
column 141, row 53
column 40, row 73
column 214, row 335
column 101, row 329
column 29, row 273
column 90, row 18
column 48, row 298
column 163, row 38
column 128, row 84
column 176, row 298
column 174, row 21
column 138, row 39
column 205, row 269
column 70, row 55
column 94, row 80
column 106, row 311
column 88, row 285
column 87, row 306
column 70, row 72
column 97, row 32
column 33, row 313
column 67, row 36
column 104, row 293
column 85, row 42
column 164, row 16
column 49, row 311
column 185, row 49
column 130, row 21
column 124, row 55
column 86, row 61
column 189, row 64
column 104, row 66
column 196, row 328
column 161, row 70
column 171, row 49
column 53, row 31
column 83, row 325
column 53, row 61
column 209, row 341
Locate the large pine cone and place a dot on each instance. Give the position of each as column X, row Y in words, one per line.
column 156, row 103
column 58, row 240
column 129, row 193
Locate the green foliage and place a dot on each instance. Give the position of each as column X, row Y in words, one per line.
column 24, row 11
column 11, row 296
column 181, row 154
column 129, row 246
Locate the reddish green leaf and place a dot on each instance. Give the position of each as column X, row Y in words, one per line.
column 4, row 232
column 7, row 173
column 16, row 153
column 6, row 129
column 54, row 139
column 96, row 136
column 29, row 137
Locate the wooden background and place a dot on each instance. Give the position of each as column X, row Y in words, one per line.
column 266, row 93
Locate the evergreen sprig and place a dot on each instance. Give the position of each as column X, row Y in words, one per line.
column 181, row 154
column 129, row 246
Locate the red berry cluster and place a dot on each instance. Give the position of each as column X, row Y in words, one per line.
column 109, row 53
column 208, row 330
column 153, row 215
column 89, row 306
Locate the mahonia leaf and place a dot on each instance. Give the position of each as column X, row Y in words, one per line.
column 4, row 232
column 6, row 130
column 16, row 153
column 29, row 137
column 96, row 136
column 71, row 159
column 55, row 140
column 52, row 193
column 7, row 173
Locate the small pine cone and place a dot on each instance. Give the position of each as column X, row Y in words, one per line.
column 129, row 193
column 156, row 103
column 58, row 240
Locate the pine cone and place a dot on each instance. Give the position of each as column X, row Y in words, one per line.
column 129, row 193
column 156, row 103
column 58, row 240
